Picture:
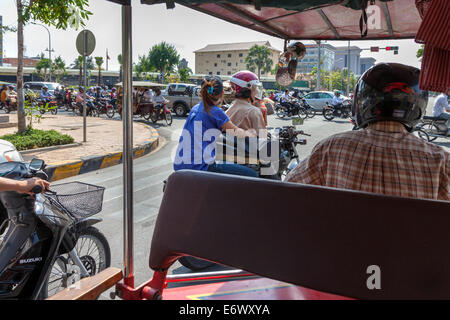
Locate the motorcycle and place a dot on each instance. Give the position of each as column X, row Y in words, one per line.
column 290, row 109
column 46, row 105
column 10, row 104
column 104, row 106
column 344, row 111
column 434, row 127
column 160, row 112
column 47, row 241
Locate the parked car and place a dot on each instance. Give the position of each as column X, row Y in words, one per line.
column 318, row 99
column 174, row 89
column 182, row 104
column 37, row 86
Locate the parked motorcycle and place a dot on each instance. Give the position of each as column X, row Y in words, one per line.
column 47, row 241
column 343, row 111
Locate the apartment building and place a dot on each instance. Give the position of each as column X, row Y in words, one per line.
column 228, row 58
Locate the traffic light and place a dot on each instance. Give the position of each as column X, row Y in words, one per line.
column 395, row 49
column 374, row 49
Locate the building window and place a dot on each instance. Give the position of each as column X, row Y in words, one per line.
column 218, row 56
column 215, row 64
column 229, row 64
column 240, row 54
column 218, row 73
column 236, row 64
column 229, row 55
column 242, row 61
column 229, row 73
column 210, row 72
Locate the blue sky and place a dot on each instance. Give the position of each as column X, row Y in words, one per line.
column 188, row 30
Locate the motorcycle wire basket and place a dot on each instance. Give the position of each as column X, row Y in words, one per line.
column 81, row 200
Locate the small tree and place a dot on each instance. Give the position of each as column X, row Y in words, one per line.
column 184, row 74
column 259, row 59
column 59, row 67
column 43, row 68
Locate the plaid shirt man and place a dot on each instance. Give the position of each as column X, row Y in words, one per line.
column 384, row 158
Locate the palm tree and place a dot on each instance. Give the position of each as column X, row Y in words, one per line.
column 259, row 58
column 99, row 62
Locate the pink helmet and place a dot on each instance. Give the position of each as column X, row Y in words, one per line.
column 245, row 79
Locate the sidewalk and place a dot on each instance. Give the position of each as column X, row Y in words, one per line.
column 102, row 149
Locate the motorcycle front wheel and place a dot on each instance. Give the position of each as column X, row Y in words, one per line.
column 302, row 113
column 328, row 114
column 169, row 119
column 110, row 113
column 54, row 111
column 94, row 252
column 281, row 112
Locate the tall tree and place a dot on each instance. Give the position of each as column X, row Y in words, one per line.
column 259, row 59
column 164, row 58
column 58, row 13
column 99, row 63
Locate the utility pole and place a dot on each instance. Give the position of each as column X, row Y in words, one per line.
column 348, row 70
column 318, row 68
column 49, row 49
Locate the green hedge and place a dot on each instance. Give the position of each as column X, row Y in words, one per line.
column 33, row 138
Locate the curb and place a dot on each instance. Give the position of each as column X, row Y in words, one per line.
column 72, row 168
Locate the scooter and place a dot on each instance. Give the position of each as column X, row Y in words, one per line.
column 44, row 237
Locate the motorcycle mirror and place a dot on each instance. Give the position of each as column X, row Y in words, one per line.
column 37, row 164
column 297, row 121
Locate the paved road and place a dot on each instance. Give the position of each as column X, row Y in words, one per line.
column 149, row 172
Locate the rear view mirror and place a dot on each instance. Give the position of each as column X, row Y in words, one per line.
column 37, row 164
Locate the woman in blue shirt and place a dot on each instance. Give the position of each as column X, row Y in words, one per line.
column 206, row 121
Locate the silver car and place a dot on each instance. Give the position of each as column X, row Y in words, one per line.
column 318, row 99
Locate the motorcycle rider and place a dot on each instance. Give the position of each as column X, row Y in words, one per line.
column 79, row 99
column 159, row 100
column 45, row 95
column 10, row 95
column 197, row 144
column 441, row 107
column 384, row 157
column 3, row 94
column 242, row 113
column 337, row 100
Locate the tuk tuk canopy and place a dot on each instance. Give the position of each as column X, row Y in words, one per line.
column 313, row 19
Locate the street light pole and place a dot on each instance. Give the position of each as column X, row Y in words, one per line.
column 348, row 70
column 49, row 46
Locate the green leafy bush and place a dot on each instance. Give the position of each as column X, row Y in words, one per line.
column 33, row 138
